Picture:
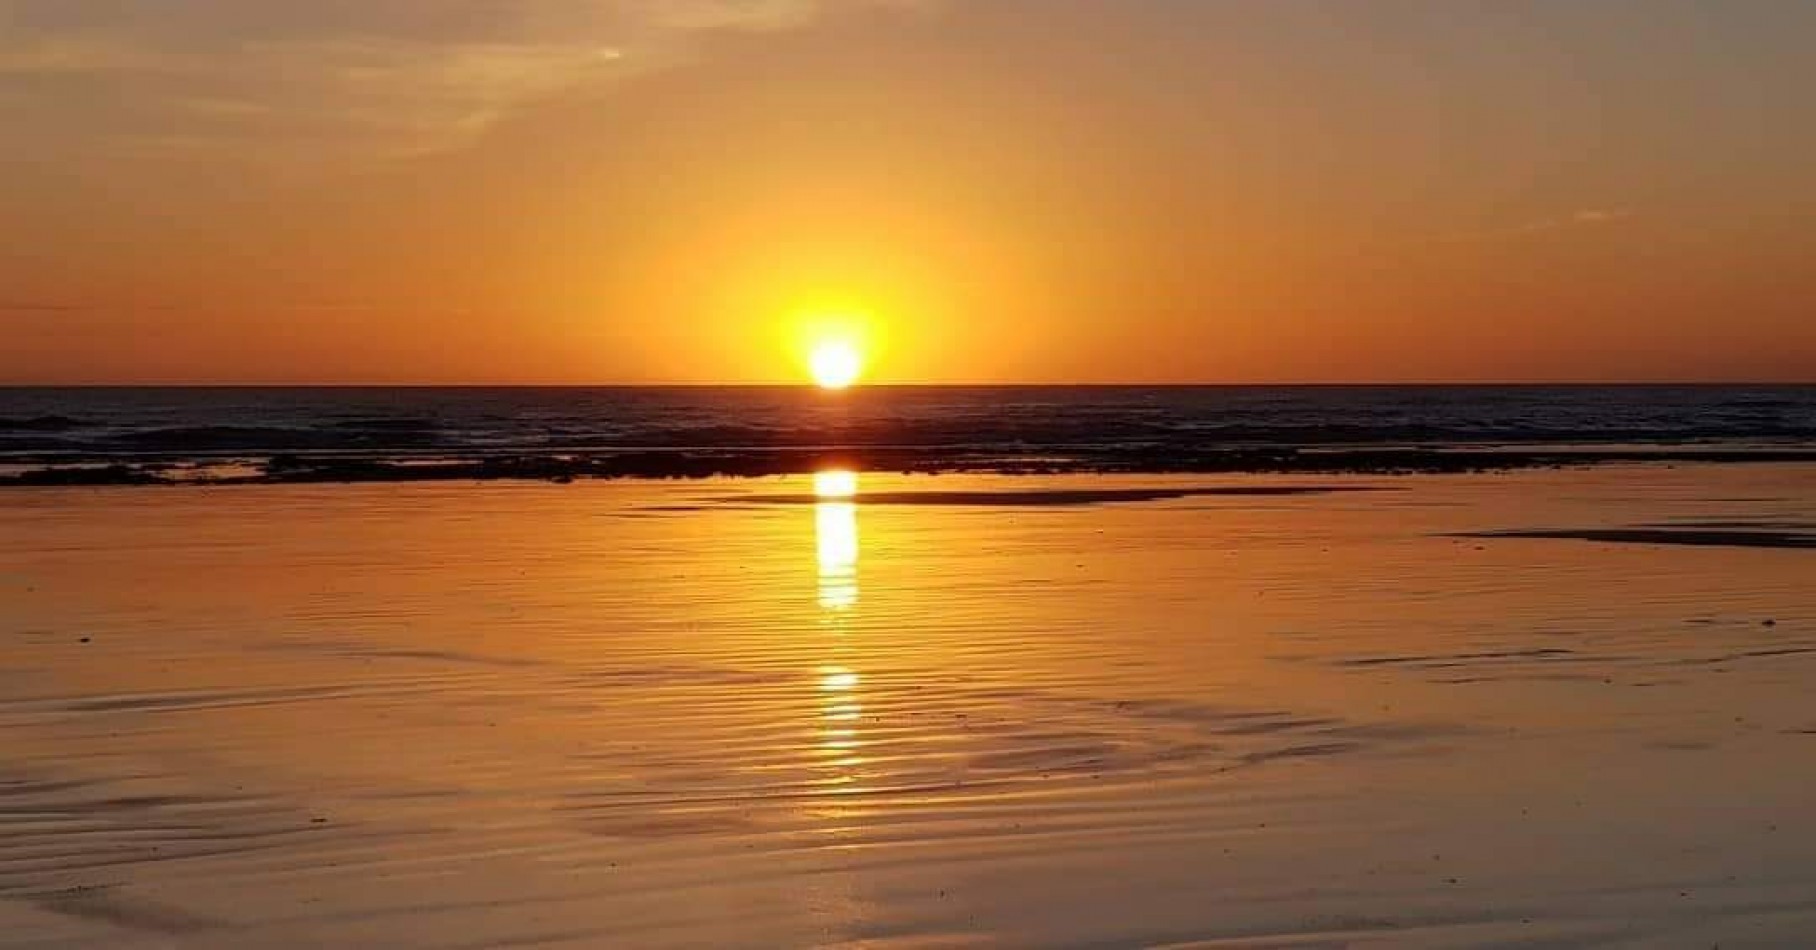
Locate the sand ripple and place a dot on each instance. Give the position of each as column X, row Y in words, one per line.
column 461, row 716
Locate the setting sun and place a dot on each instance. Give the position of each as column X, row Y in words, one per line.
column 835, row 364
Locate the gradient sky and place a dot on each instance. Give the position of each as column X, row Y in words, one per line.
column 591, row 191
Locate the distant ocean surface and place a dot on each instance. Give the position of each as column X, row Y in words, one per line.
column 60, row 424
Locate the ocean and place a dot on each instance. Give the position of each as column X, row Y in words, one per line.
column 52, row 425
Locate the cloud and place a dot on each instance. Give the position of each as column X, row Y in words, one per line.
column 728, row 14
column 1585, row 218
column 375, row 78
column 1597, row 216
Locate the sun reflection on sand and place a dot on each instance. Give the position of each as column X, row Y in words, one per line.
column 836, row 542
column 836, row 537
column 839, row 714
column 835, row 484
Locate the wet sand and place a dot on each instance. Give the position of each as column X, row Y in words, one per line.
column 1168, row 711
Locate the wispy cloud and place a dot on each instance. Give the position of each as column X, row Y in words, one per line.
column 1599, row 216
column 382, row 77
column 1584, row 218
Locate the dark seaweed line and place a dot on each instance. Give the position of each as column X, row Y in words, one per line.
column 288, row 469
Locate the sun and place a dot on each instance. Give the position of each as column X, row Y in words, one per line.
column 835, row 364
column 836, row 343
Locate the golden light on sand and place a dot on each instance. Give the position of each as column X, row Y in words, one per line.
column 835, row 364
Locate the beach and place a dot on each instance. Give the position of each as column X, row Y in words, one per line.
column 907, row 474
column 1538, row 708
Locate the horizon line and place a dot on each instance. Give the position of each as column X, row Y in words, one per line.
column 1378, row 384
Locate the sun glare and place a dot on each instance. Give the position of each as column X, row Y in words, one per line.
column 835, row 364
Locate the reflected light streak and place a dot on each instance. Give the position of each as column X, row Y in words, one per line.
column 836, row 547
column 841, row 710
column 835, row 483
column 836, row 536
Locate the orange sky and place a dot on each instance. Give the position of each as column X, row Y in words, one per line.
column 592, row 191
